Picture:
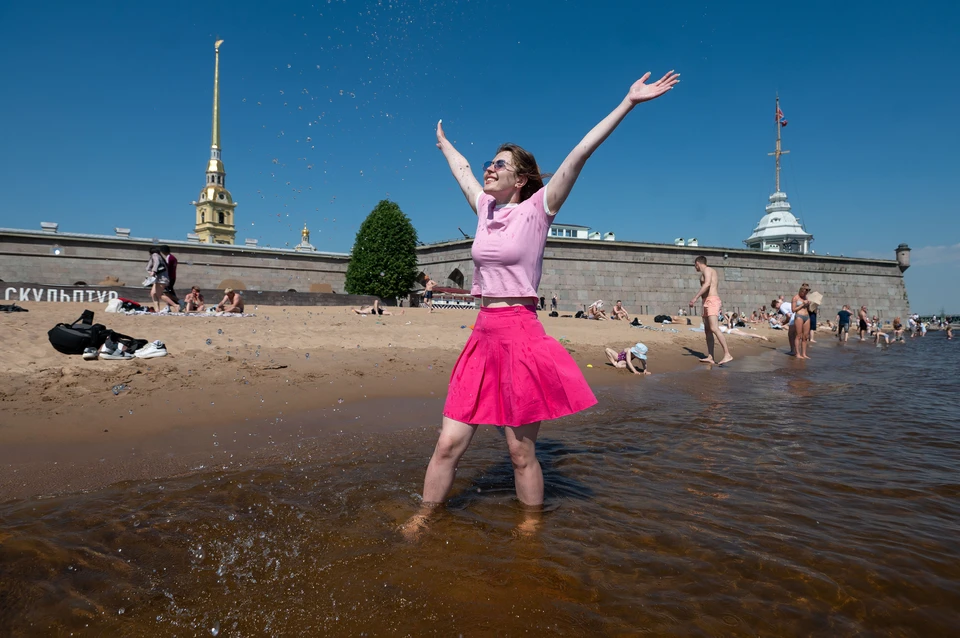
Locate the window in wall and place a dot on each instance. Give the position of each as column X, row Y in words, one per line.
column 220, row 216
column 203, row 217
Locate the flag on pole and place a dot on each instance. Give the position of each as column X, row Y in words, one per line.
column 780, row 118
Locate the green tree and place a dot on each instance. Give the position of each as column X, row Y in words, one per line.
column 384, row 258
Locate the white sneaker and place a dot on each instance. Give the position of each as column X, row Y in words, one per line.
column 165, row 311
column 150, row 351
column 89, row 354
column 149, row 281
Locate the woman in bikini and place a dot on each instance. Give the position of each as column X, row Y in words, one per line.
column 510, row 373
column 801, row 311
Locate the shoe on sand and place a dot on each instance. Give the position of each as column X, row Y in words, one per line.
column 89, row 354
column 150, row 351
column 115, row 355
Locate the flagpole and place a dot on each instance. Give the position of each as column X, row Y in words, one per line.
column 777, row 118
column 778, row 152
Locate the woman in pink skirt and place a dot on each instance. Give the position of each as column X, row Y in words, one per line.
column 510, row 372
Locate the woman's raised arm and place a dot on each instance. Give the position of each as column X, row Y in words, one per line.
column 566, row 176
column 460, row 168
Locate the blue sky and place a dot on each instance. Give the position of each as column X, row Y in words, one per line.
column 328, row 107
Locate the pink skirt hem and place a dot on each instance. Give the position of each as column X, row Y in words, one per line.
column 512, row 373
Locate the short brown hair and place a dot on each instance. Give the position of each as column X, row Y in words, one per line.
column 700, row 260
column 526, row 166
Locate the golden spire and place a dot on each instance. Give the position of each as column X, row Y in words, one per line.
column 305, row 234
column 777, row 153
column 215, row 142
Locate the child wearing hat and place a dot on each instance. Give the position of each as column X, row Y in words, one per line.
column 625, row 358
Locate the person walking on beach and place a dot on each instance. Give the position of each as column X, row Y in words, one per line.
column 553, row 303
column 711, row 310
column 169, row 295
column 510, row 373
column 801, row 320
column 157, row 272
column 862, row 322
column 428, row 292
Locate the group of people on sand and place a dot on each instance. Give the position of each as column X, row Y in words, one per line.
column 161, row 278
column 596, row 312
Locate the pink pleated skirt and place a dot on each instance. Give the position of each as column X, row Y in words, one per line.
column 511, row 373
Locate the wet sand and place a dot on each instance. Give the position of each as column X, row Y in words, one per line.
column 261, row 382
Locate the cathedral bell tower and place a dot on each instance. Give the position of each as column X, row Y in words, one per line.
column 215, row 209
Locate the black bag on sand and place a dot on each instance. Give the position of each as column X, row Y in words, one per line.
column 72, row 338
column 554, row 314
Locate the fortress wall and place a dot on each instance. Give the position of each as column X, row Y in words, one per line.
column 29, row 257
column 649, row 278
column 657, row 278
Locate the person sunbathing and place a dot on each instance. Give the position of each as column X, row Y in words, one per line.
column 595, row 311
column 624, row 358
column 193, row 301
column 619, row 312
column 375, row 309
column 741, row 333
column 232, row 302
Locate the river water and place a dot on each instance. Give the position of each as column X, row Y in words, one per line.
column 774, row 497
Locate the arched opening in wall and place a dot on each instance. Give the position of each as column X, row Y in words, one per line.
column 456, row 277
column 220, row 217
column 79, row 283
column 291, row 290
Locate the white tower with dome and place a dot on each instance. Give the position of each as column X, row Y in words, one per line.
column 779, row 231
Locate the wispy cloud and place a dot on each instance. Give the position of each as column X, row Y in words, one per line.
column 933, row 255
column 925, row 256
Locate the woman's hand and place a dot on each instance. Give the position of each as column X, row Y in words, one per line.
column 441, row 136
column 641, row 92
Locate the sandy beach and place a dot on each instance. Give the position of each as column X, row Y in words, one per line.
column 286, row 372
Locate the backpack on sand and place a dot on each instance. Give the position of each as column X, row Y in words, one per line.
column 72, row 338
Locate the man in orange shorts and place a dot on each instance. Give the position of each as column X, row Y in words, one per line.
column 711, row 310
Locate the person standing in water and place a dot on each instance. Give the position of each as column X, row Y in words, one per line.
column 801, row 312
column 510, row 373
column 711, row 310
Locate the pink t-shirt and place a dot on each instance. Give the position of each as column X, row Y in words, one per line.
column 508, row 248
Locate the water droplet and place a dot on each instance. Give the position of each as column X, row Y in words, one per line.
column 339, row 400
column 131, row 411
column 307, row 355
column 209, row 342
column 382, row 273
column 219, row 331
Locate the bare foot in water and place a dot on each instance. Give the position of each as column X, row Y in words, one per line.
column 528, row 528
column 726, row 359
column 414, row 527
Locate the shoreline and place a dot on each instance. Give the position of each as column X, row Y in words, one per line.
column 275, row 377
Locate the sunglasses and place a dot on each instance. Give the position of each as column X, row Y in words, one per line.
column 498, row 165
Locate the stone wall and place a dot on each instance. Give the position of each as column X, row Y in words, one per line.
column 658, row 278
column 30, row 256
column 649, row 278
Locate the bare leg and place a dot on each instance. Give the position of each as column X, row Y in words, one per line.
column 454, row 439
column 611, row 355
column 792, row 338
column 708, row 333
column 527, row 474
column 713, row 327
